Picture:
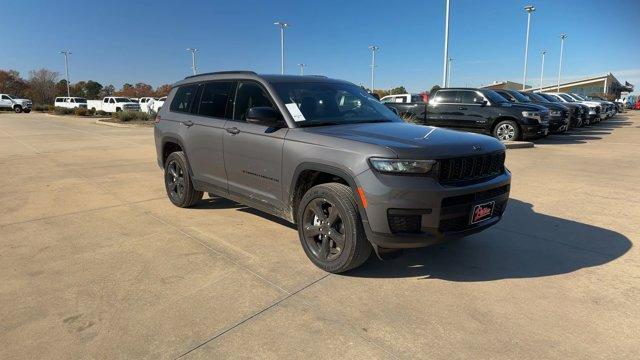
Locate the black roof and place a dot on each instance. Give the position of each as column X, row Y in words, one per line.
column 242, row 74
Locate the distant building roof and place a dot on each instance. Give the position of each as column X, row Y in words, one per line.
column 590, row 80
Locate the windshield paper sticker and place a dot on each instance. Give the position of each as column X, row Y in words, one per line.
column 295, row 112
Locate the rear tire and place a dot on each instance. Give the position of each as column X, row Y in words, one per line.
column 330, row 228
column 506, row 130
column 177, row 181
column 17, row 109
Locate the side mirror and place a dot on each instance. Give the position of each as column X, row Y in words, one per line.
column 263, row 115
column 480, row 101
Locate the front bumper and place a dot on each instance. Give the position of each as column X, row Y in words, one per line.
column 535, row 131
column 416, row 211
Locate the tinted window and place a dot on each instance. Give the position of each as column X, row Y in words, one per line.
column 416, row 98
column 183, row 98
column 214, row 100
column 5, row 97
column 447, row 96
column 467, row 97
column 324, row 103
column 537, row 97
column 249, row 95
column 493, row 96
column 505, row 95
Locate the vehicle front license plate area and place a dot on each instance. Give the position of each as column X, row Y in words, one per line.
column 481, row 212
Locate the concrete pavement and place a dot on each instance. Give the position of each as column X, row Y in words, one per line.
column 96, row 263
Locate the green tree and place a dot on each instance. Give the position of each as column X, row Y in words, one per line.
column 397, row 90
column 92, row 89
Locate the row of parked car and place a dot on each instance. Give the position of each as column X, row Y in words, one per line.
column 508, row 115
column 112, row 104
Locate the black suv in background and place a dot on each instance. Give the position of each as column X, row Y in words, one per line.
column 583, row 109
column 485, row 111
column 576, row 114
column 558, row 114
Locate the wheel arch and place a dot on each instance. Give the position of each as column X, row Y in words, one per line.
column 309, row 174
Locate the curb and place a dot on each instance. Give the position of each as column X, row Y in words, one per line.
column 518, row 144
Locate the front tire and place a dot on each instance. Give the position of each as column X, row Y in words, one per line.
column 17, row 109
column 330, row 228
column 177, row 181
column 507, row 130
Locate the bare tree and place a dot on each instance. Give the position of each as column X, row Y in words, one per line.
column 42, row 85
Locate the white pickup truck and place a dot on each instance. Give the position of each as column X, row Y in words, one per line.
column 17, row 105
column 70, row 102
column 113, row 104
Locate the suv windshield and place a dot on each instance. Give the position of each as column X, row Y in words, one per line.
column 325, row 103
column 121, row 100
column 494, row 97
column 520, row 97
column 538, row 97
column 566, row 97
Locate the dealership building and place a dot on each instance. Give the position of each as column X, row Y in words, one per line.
column 606, row 85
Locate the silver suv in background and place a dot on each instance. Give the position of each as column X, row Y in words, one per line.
column 326, row 155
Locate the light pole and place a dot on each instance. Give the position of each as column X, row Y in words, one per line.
column 193, row 59
column 302, row 66
column 544, row 52
column 373, row 49
column 562, row 37
column 282, row 25
column 66, row 54
column 449, row 70
column 529, row 9
column 446, row 48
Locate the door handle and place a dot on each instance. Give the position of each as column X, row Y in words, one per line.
column 462, row 108
column 187, row 123
column 233, row 131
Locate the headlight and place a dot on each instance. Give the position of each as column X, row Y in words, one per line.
column 555, row 113
column 402, row 166
column 531, row 114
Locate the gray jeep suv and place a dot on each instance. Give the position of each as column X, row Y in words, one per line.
column 327, row 156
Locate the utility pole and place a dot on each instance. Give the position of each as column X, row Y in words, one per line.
column 446, row 48
column 529, row 9
column 562, row 37
column 66, row 54
column 373, row 49
column 193, row 60
column 544, row 52
column 449, row 69
column 302, row 66
column 282, row 26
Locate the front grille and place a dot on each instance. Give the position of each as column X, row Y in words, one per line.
column 456, row 210
column 471, row 168
column 405, row 223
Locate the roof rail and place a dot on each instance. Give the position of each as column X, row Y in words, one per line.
column 224, row 72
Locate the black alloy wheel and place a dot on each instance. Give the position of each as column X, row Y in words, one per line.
column 323, row 229
column 174, row 179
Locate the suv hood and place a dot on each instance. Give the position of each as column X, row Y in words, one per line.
column 529, row 107
column 553, row 106
column 413, row 141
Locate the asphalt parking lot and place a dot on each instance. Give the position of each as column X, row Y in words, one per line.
column 95, row 262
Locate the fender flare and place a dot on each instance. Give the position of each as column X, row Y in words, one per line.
column 333, row 170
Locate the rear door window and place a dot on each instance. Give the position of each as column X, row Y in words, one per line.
column 214, row 99
column 184, row 98
column 446, row 96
